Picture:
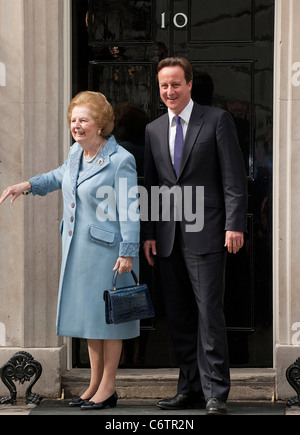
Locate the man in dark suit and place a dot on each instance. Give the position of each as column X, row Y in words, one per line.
column 189, row 148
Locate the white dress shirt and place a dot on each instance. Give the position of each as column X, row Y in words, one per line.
column 185, row 119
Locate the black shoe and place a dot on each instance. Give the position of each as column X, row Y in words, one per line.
column 215, row 406
column 77, row 401
column 180, row 401
column 111, row 402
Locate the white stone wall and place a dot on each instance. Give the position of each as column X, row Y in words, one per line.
column 11, row 259
column 286, row 191
column 33, row 123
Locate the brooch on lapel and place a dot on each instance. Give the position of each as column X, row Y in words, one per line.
column 100, row 162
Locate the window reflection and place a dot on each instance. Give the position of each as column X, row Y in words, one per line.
column 220, row 20
column 120, row 21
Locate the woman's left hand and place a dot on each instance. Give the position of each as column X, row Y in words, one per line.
column 124, row 264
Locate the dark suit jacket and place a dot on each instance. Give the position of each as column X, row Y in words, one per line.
column 211, row 158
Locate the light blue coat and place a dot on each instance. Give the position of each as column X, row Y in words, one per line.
column 94, row 236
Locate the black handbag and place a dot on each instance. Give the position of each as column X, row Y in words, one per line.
column 127, row 303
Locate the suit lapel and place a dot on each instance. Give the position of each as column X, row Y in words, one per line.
column 194, row 128
column 74, row 164
column 96, row 166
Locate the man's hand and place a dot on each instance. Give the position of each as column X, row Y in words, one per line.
column 150, row 251
column 234, row 241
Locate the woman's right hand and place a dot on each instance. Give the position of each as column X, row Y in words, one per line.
column 14, row 191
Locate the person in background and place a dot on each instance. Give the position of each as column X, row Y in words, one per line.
column 130, row 125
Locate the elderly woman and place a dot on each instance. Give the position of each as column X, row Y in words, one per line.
column 95, row 242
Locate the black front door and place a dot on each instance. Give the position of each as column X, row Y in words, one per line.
column 116, row 47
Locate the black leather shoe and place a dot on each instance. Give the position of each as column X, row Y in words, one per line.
column 215, row 406
column 77, row 401
column 180, row 401
column 111, row 402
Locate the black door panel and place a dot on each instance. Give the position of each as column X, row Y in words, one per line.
column 116, row 47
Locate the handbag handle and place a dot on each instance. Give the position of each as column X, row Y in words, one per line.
column 114, row 283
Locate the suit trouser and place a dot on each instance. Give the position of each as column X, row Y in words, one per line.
column 193, row 288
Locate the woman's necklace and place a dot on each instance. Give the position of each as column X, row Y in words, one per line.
column 92, row 158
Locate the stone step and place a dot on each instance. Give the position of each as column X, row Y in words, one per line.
column 246, row 384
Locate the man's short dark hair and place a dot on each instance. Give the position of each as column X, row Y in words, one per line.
column 177, row 61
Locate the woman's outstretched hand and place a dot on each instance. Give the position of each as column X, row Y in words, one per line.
column 14, row 191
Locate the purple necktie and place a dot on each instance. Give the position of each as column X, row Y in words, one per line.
column 178, row 145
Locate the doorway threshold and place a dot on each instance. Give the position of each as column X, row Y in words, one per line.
column 246, row 383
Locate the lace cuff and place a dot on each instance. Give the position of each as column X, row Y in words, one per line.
column 129, row 249
column 38, row 185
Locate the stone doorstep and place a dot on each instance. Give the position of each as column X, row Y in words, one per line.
column 246, row 384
